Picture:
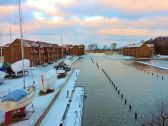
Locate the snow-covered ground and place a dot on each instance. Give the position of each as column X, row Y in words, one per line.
column 56, row 112
column 163, row 64
column 74, row 114
column 74, row 59
column 118, row 57
column 163, row 57
column 40, row 102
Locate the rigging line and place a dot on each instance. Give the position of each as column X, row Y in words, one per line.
column 1, row 45
column 11, row 42
column 22, row 44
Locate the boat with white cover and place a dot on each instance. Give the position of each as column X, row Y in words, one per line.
column 20, row 97
column 18, row 66
column 2, row 76
column 48, row 80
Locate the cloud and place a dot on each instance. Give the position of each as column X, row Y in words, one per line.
column 49, row 7
column 88, row 19
column 90, row 25
column 7, row 10
column 132, row 32
column 136, row 6
column 114, row 22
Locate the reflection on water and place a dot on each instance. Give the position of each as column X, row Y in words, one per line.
column 103, row 106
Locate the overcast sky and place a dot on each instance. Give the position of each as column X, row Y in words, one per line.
column 85, row 21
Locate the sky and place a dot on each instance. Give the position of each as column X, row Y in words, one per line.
column 85, row 21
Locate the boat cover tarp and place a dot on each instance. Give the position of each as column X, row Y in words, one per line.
column 60, row 71
column 2, row 74
column 67, row 62
column 1, row 64
column 15, row 95
column 18, row 66
column 48, row 80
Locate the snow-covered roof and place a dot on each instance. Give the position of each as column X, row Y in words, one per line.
column 134, row 45
column 32, row 43
column 25, row 42
column 45, row 44
column 150, row 45
column 7, row 45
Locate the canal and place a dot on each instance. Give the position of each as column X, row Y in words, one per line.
column 104, row 105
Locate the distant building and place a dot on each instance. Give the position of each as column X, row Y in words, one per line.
column 67, row 48
column 76, row 50
column 139, row 50
column 38, row 52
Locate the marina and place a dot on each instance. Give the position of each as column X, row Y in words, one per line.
column 115, row 93
column 108, row 106
column 83, row 63
column 41, row 104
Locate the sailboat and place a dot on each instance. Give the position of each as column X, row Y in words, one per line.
column 17, row 67
column 18, row 98
column 2, row 74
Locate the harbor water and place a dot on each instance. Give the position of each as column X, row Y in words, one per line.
column 104, row 105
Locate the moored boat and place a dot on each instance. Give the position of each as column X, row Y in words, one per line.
column 17, row 98
column 20, row 66
column 48, row 80
column 21, row 97
column 61, row 73
column 2, row 76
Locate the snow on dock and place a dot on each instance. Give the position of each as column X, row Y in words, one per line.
column 40, row 103
column 118, row 57
column 74, row 114
column 155, row 64
column 55, row 114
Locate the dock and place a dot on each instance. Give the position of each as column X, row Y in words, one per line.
column 63, row 106
column 73, row 117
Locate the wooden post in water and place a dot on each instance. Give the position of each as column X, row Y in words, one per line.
column 121, row 96
column 125, row 101
column 135, row 116
column 130, row 107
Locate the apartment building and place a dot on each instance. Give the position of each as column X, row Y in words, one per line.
column 139, row 50
column 38, row 52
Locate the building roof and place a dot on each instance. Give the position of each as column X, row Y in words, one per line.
column 7, row 45
column 134, row 45
column 32, row 43
column 25, row 42
column 150, row 45
column 67, row 45
column 45, row 44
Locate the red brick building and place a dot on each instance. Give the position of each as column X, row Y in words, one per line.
column 67, row 48
column 139, row 50
column 12, row 51
column 38, row 52
column 76, row 50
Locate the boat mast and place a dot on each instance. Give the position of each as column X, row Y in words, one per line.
column 22, row 46
column 11, row 42
column 1, row 46
column 62, row 46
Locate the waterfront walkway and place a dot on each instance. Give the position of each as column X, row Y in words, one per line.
column 55, row 114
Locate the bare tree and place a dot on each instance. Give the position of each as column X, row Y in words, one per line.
column 104, row 47
column 93, row 46
column 159, row 117
column 113, row 46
